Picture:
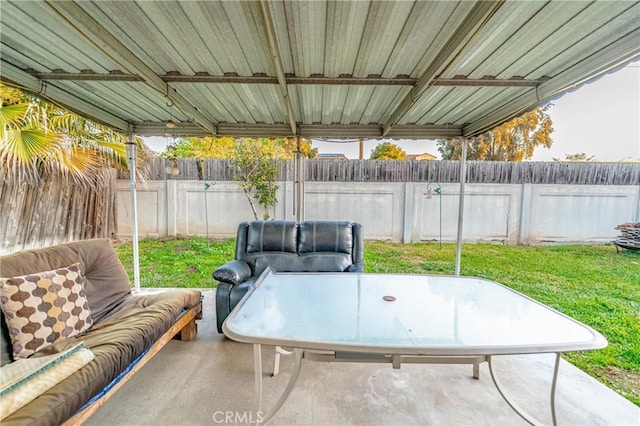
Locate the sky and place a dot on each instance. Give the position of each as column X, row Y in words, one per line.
column 600, row 119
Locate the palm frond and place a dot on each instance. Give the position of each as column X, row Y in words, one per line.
column 10, row 115
column 28, row 145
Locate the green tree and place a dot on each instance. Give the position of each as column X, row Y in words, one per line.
column 515, row 140
column 255, row 159
column 224, row 147
column 306, row 147
column 205, row 147
column 38, row 138
column 388, row 151
column 578, row 156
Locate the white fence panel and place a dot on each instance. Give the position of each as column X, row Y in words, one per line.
column 395, row 211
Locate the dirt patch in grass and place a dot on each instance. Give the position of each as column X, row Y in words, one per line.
column 626, row 382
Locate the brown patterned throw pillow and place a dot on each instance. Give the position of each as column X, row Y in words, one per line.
column 44, row 308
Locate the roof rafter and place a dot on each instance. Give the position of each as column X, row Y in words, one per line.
column 476, row 19
column 291, row 80
column 14, row 76
column 366, row 131
column 269, row 31
column 85, row 25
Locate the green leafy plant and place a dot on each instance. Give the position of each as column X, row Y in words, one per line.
column 256, row 161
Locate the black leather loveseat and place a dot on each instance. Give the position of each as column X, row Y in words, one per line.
column 311, row 246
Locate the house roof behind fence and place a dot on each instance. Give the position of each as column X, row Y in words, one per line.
column 335, row 69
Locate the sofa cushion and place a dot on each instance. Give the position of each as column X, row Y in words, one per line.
column 106, row 281
column 306, row 262
column 277, row 261
column 278, row 236
column 325, row 236
column 43, row 308
column 323, row 262
column 135, row 325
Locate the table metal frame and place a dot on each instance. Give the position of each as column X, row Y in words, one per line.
column 356, row 354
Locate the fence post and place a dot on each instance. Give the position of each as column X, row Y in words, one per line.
column 172, row 207
column 407, row 231
column 524, row 227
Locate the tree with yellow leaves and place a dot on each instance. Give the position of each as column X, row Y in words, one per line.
column 515, row 140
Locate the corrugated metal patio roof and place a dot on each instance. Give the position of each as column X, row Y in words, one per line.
column 356, row 69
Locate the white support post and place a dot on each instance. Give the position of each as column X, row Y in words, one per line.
column 131, row 162
column 463, row 177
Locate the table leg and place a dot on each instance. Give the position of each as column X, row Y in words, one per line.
column 553, row 389
column 276, row 361
column 528, row 418
column 297, row 363
column 257, row 368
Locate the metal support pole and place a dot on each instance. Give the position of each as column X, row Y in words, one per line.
column 131, row 163
column 463, row 177
column 299, row 183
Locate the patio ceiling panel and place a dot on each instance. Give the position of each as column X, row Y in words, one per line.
column 594, row 25
column 357, row 96
column 513, row 32
column 410, row 68
column 142, row 102
column 302, row 39
column 92, row 26
column 471, row 104
column 246, row 23
column 346, row 22
column 549, row 55
column 47, row 44
column 603, row 61
column 456, row 41
column 446, row 17
column 335, row 97
column 417, row 43
column 141, row 31
column 226, row 103
column 384, row 100
column 385, row 22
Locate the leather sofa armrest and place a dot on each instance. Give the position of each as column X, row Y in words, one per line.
column 356, row 267
column 234, row 272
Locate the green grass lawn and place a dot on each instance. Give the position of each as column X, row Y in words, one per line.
column 591, row 283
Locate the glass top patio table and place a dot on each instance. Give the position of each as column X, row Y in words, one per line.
column 402, row 314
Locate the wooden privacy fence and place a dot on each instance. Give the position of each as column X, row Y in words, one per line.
column 56, row 210
column 574, row 173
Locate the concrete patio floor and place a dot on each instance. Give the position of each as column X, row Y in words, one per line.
column 210, row 381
